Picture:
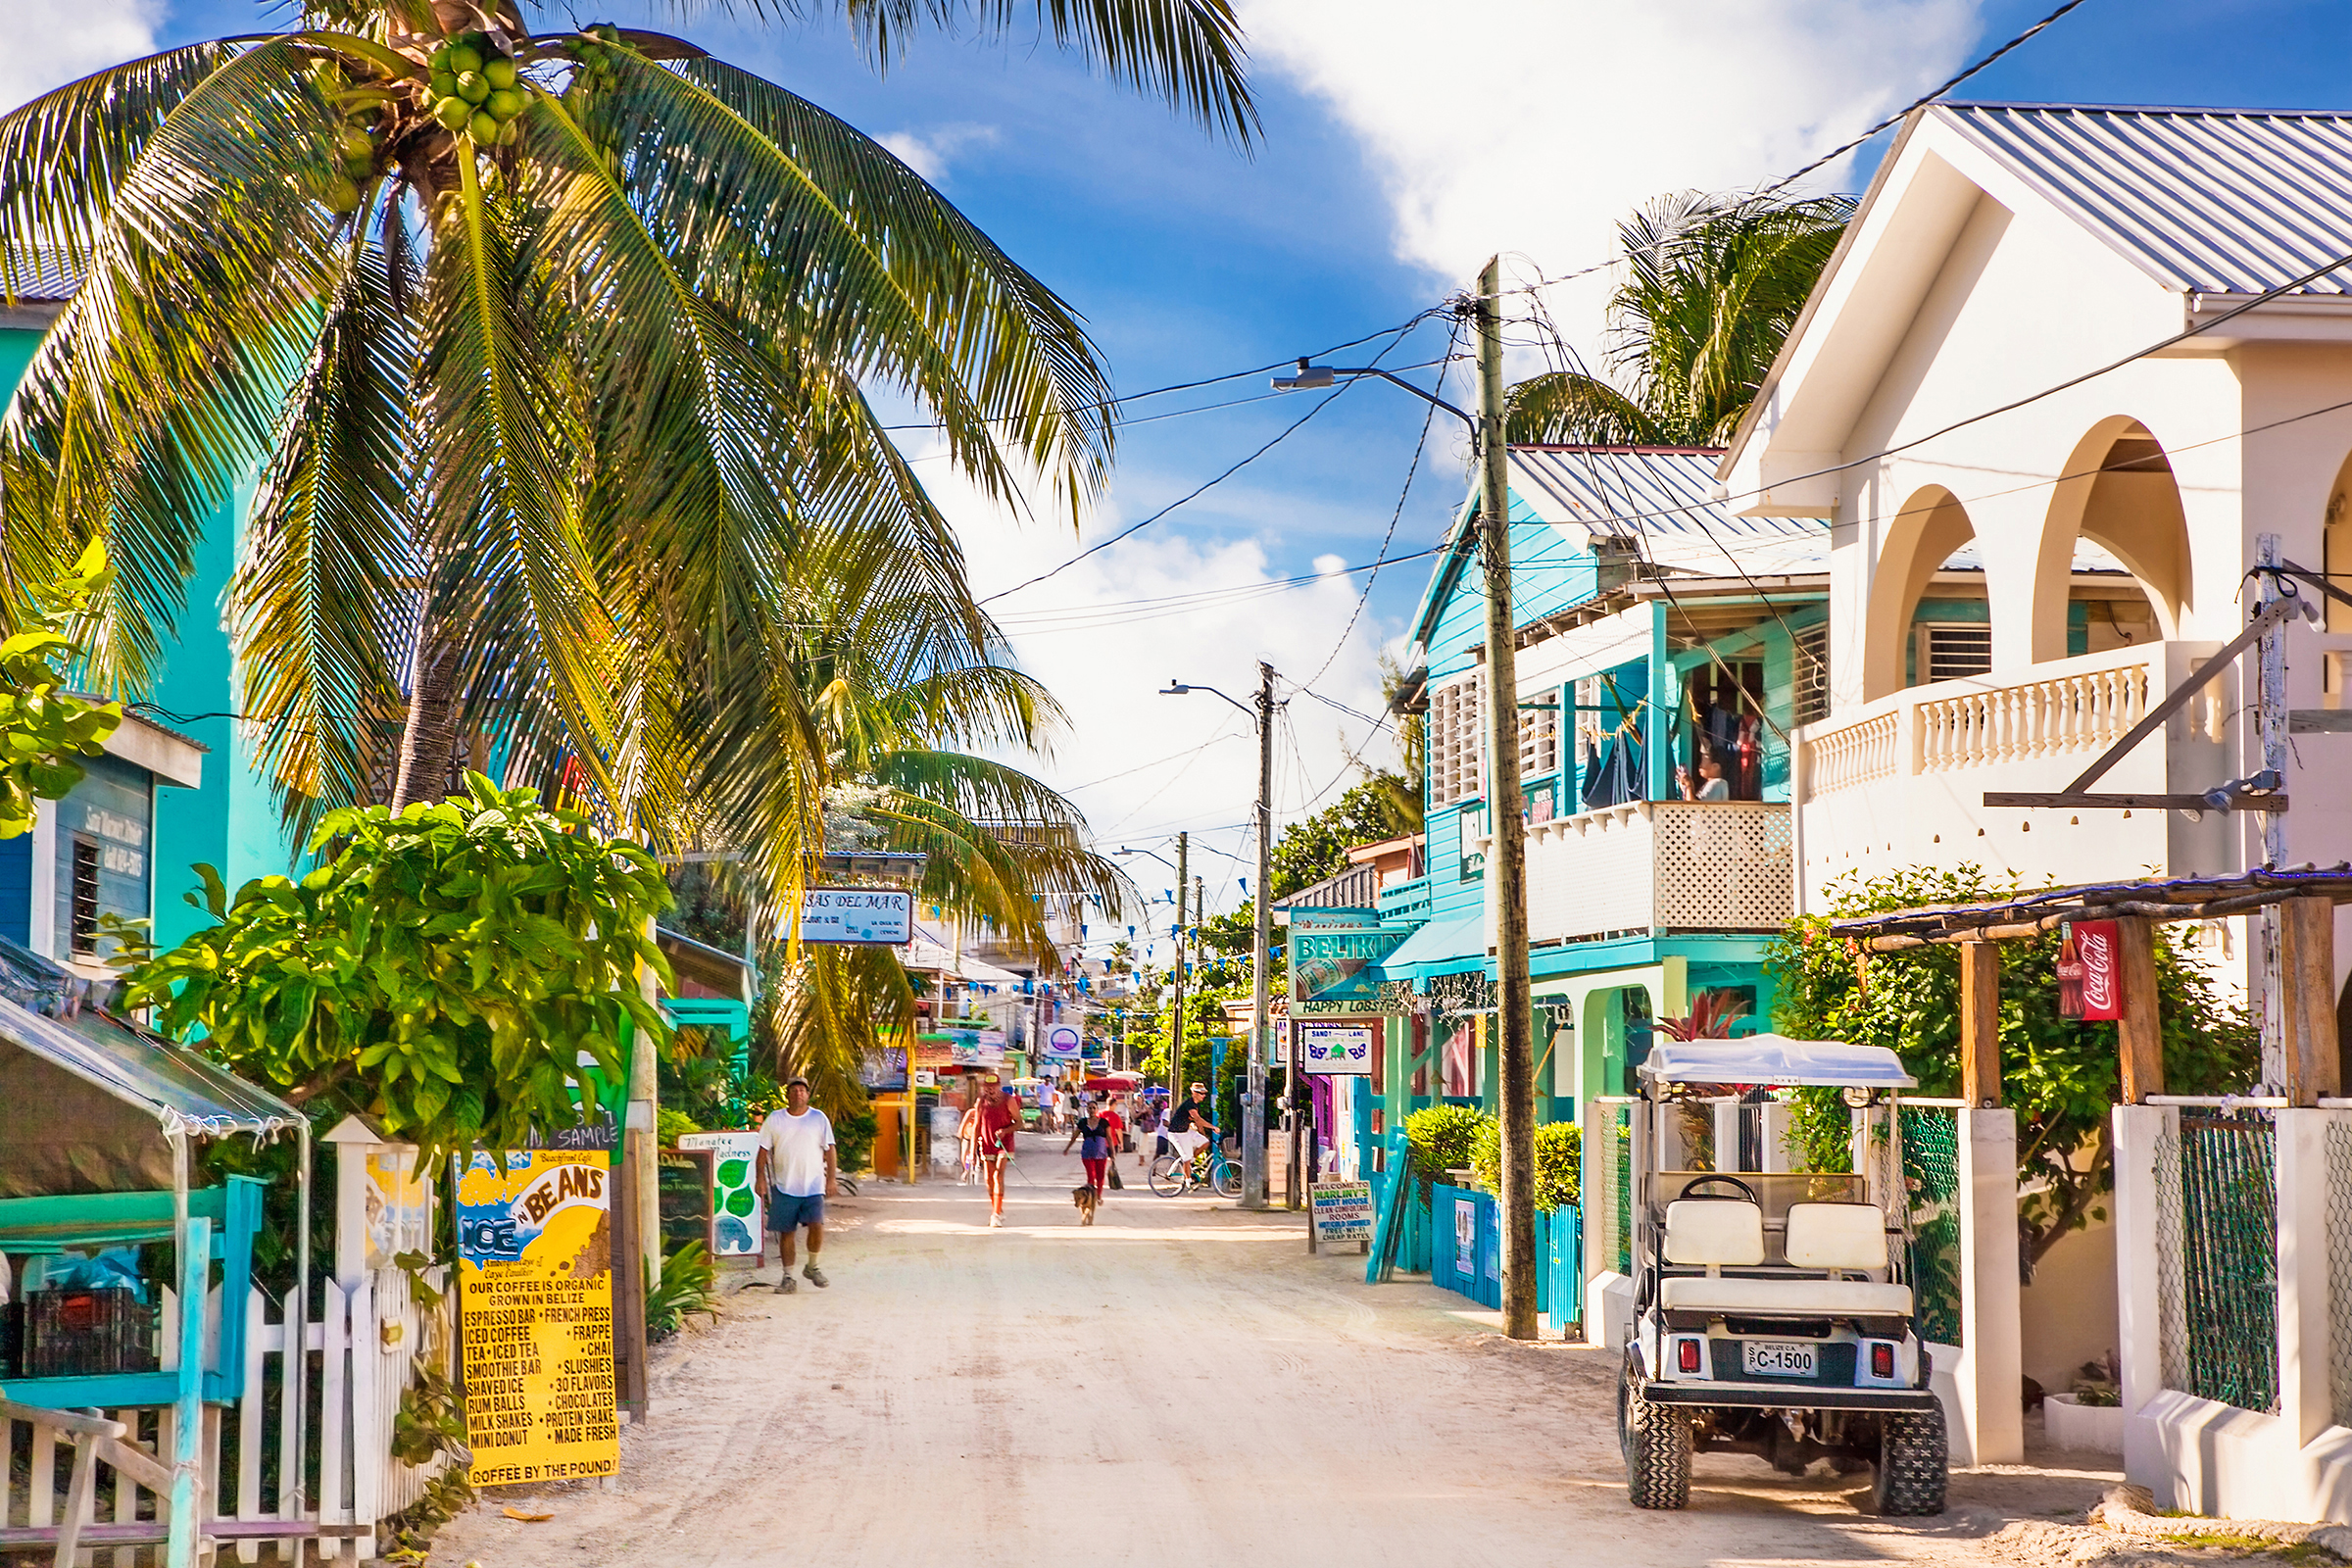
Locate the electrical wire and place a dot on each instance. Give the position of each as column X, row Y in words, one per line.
column 1105, row 544
column 1124, row 609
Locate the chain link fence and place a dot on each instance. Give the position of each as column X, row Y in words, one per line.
column 2216, row 1255
column 1930, row 1136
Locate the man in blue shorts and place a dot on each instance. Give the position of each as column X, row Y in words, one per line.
column 797, row 1169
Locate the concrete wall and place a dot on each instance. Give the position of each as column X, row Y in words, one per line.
column 2068, row 1313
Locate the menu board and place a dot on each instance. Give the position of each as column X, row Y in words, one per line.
column 535, row 1309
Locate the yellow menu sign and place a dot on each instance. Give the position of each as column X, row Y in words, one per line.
column 535, row 1308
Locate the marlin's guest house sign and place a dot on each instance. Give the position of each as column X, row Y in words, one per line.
column 1335, row 955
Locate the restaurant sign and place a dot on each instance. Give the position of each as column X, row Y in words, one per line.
column 1334, row 955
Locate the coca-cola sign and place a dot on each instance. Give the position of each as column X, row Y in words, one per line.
column 2090, row 982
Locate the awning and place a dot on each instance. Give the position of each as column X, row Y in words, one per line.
column 1775, row 1059
column 1438, row 948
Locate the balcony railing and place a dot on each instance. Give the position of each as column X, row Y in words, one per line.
column 1649, row 868
column 1901, row 780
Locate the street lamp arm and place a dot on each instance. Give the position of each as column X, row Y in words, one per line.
column 1311, row 378
column 1177, row 688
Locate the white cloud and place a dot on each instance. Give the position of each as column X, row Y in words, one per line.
column 51, row 42
column 1105, row 641
column 930, row 152
column 1533, row 126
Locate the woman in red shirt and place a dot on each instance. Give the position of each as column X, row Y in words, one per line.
column 999, row 1119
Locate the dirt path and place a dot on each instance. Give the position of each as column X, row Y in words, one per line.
column 1179, row 1370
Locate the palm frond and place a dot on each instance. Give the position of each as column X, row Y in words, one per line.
column 1565, row 408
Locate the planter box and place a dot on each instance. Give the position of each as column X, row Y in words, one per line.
column 2098, row 1429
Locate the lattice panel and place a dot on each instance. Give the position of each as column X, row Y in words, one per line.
column 1723, row 866
column 2339, row 1269
column 1608, row 1187
column 1457, row 716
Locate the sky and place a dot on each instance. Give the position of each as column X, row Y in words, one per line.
column 1403, row 144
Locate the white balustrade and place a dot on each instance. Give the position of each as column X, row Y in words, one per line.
column 1658, row 866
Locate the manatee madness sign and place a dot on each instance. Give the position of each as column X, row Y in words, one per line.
column 535, row 1274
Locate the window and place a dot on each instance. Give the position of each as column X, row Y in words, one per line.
column 84, row 930
column 1539, row 737
column 1813, row 673
column 1954, row 650
column 1457, row 764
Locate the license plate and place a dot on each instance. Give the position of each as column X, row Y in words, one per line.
column 1771, row 1359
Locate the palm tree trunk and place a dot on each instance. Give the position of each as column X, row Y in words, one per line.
column 430, row 738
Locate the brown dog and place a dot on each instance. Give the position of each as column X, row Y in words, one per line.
column 1088, row 1200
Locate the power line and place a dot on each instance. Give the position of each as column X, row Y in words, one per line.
column 1121, row 609
column 1284, row 435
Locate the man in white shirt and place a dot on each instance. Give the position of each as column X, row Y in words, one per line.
column 797, row 1166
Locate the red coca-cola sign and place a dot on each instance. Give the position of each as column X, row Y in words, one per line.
column 2090, row 982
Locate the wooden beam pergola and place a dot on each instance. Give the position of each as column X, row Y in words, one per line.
column 2307, row 896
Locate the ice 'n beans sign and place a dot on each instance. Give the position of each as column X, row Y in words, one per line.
column 1335, row 955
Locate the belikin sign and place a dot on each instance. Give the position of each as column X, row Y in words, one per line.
column 2090, row 982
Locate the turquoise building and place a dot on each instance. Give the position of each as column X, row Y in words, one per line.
column 1666, row 650
column 178, row 785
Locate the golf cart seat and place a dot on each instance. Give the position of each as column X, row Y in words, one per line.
column 1837, row 1238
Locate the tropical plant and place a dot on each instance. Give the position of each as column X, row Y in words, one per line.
column 689, row 1284
column 1559, row 1161
column 1316, row 847
column 2061, row 1077
column 44, row 723
column 1440, row 1137
column 552, row 354
column 442, row 971
column 1712, row 285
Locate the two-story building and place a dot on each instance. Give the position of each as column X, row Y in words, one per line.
column 1666, row 652
column 2056, row 336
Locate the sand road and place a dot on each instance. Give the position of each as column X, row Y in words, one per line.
column 1179, row 1382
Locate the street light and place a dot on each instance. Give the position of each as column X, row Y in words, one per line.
column 1507, row 861
column 1253, row 1102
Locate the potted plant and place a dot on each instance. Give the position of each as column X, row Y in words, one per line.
column 2091, row 1416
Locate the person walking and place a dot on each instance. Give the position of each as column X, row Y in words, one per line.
column 967, row 1137
column 998, row 1120
column 797, row 1166
column 1091, row 1132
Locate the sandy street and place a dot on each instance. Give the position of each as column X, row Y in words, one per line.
column 1181, row 1382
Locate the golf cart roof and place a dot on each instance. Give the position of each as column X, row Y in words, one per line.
column 1775, row 1059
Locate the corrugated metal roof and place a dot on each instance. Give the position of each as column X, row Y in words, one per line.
column 43, row 277
column 2204, row 200
column 1665, row 496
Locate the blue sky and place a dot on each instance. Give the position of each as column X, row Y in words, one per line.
column 1404, row 142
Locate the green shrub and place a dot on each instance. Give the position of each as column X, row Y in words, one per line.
column 1559, row 1151
column 854, row 1137
column 673, row 1125
column 689, row 1284
column 1441, row 1139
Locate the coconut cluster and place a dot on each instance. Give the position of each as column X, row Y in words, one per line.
column 475, row 91
column 355, row 143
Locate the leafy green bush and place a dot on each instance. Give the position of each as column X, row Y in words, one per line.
column 674, row 1124
column 854, row 1137
column 1441, row 1139
column 2060, row 1077
column 1559, row 1150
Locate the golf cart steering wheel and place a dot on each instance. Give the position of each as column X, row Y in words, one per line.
column 1691, row 1189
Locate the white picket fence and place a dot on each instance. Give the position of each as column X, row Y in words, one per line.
column 363, row 1358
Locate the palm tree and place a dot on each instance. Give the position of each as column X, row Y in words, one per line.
column 1712, row 285
column 550, row 353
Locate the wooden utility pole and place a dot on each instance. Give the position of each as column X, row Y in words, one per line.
column 2140, row 1033
column 1506, row 854
column 1981, row 1024
column 1253, row 1102
column 1176, row 1003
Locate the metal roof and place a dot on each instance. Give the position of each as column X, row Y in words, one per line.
column 1664, row 498
column 2208, row 201
column 1774, row 1059
column 42, row 276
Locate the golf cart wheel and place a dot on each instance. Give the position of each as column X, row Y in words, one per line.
column 1227, row 1179
column 1912, row 1456
column 1657, row 1446
column 1167, row 1176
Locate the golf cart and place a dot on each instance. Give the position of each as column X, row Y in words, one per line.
column 1771, row 1312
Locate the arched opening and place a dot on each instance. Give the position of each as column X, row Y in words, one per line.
column 2336, row 561
column 1930, row 615
column 2114, row 565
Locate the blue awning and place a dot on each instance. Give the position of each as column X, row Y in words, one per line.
column 1442, row 947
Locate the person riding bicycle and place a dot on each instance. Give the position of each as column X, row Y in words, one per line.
column 1189, row 1125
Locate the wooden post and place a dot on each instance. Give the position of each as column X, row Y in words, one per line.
column 2308, row 966
column 1981, row 1024
column 2140, row 1035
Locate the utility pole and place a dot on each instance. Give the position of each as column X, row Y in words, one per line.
column 1506, row 855
column 1176, row 1012
column 2271, row 724
column 1253, row 1103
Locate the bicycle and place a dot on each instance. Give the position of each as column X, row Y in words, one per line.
column 1172, row 1175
